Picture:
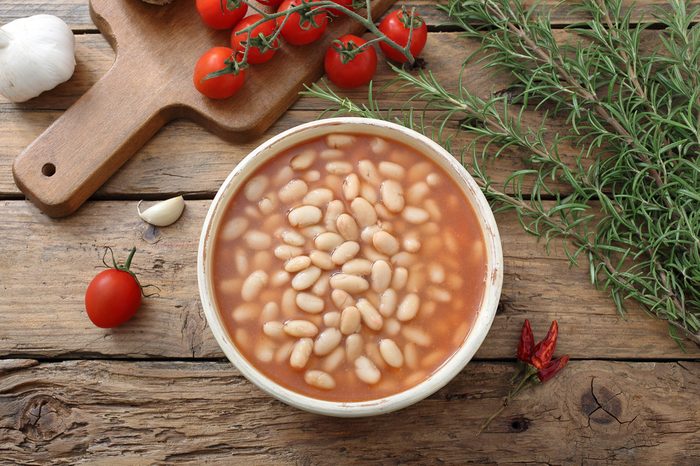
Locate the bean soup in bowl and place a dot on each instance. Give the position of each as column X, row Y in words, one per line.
column 349, row 267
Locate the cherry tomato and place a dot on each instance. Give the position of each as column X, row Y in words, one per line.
column 255, row 54
column 214, row 17
column 220, row 87
column 274, row 3
column 113, row 296
column 298, row 30
column 396, row 25
column 349, row 72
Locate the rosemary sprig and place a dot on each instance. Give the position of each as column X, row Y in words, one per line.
column 631, row 202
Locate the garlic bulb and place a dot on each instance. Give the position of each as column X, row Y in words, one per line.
column 36, row 54
column 163, row 213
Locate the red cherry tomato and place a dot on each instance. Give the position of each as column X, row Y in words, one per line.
column 220, row 87
column 215, row 17
column 274, row 3
column 255, row 54
column 113, row 296
column 298, row 30
column 349, row 72
column 396, row 25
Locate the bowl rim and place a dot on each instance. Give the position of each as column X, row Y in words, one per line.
column 443, row 374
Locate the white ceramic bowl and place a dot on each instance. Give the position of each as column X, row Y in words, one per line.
column 290, row 138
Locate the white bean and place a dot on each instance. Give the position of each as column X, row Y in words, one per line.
column 369, row 193
column 253, row 285
column 391, row 352
column 372, row 352
column 345, row 252
column 327, row 341
column 285, row 252
column 337, row 167
column 398, row 281
column 268, row 204
column 368, row 233
column 416, row 335
column 245, row 311
column 328, row 241
column 351, row 187
column 318, row 197
column 303, row 160
column 274, row 329
column 301, row 353
column 319, row 379
column 433, row 210
column 270, row 311
column 283, row 352
column 297, row 264
column 333, row 360
column 385, row 243
column 391, row 170
column 372, row 254
column 411, row 243
column 304, row 216
column 417, row 192
column 353, row 346
column 367, row 371
column 383, row 213
column 357, row 267
column 350, row 320
column 252, row 212
column 419, row 171
column 392, row 327
column 289, row 303
column 234, row 228
column 388, row 301
column 283, row 176
column 241, row 260
column 321, row 286
column 363, row 212
column 339, row 141
column 312, row 176
column 381, row 276
column 378, row 145
column 403, row 259
column 279, row 278
column 255, row 188
column 370, row 315
column 264, row 352
column 333, row 211
column 306, row 278
column 433, row 179
column 310, row 303
column 438, row 294
column 408, row 308
column 349, row 283
column 368, row 172
column 321, row 260
column 293, row 191
column 410, row 353
column 347, row 227
column 415, row 215
column 300, row 328
column 436, row 272
column 342, row 299
column 432, row 228
column 392, row 195
column 257, row 240
column 331, row 319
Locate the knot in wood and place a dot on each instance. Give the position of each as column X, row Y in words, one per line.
column 43, row 418
column 601, row 405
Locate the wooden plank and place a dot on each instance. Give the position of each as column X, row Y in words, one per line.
column 75, row 12
column 594, row 412
column 43, row 281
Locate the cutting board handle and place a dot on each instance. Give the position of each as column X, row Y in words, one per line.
column 85, row 146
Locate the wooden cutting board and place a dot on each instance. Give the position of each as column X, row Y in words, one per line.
column 149, row 85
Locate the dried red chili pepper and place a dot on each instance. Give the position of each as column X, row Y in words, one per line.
column 538, row 366
column 544, row 350
column 527, row 342
column 551, row 369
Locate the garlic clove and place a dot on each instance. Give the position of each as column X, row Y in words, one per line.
column 163, row 213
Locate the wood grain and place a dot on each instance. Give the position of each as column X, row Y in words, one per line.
column 61, row 256
column 594, row 412
column 75, row 12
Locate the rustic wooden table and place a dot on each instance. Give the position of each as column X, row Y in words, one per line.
column 159, row 390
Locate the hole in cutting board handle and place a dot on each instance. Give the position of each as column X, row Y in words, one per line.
column 48, row 169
